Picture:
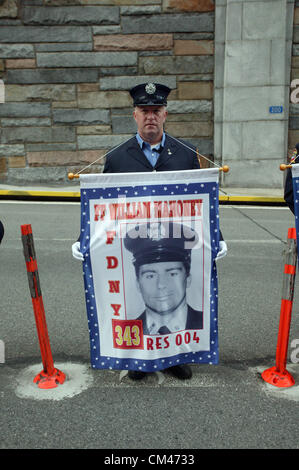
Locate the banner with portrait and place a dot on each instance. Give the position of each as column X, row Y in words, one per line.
column 295, row 180
column 149, row 242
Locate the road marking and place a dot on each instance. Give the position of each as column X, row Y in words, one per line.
column 58, row 203
column 221, row 207
column 258, row 242
column 253, row 242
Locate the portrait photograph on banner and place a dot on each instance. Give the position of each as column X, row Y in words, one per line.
column 149, row 243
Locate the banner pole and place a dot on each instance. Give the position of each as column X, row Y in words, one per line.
column 49, row 377
column 278, row 375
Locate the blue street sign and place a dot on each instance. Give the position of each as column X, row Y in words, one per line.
column 276, row 109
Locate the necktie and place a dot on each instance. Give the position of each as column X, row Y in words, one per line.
column 164, row 330
column 154, row 155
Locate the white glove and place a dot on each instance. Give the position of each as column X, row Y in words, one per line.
column 76, row 251
column 222, row 250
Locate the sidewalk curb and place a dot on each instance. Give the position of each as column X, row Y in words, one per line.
column 9, row 194
column 252, row 199
column 75, row 195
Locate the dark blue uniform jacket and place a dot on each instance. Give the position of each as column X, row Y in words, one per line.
column 130, row 158
column 288, row 188
column 1, row 231
column 175, row 156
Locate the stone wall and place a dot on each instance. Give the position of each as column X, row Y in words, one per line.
column 67, row 66
column 253, row 45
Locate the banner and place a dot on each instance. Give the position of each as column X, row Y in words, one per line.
column 295, row 179
column 149, row 242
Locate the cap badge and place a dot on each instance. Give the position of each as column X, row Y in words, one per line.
column 150, row 88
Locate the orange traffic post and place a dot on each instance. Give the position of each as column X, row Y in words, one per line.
column 49, row 377
column 278, row 375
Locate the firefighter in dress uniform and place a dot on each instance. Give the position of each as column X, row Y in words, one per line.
column 151, row 149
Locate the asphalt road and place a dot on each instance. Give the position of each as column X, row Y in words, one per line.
column 227, row 406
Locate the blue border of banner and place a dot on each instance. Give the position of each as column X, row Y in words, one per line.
column 295, row 182
column 115, row 363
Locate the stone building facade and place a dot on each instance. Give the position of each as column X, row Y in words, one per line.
column 66, row 67
column 253, row 47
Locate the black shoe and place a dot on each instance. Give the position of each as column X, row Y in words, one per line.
column 136, row 375
column 182, row 372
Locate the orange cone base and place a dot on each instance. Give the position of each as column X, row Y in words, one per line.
column 46, row 381
column 279, row 379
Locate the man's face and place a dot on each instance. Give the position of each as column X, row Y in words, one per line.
column 150, row 120
column 163, row 285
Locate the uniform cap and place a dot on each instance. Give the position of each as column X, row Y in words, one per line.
column 162, row 241
column 150, row 94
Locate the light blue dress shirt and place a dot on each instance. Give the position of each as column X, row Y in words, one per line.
column 151, row 153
